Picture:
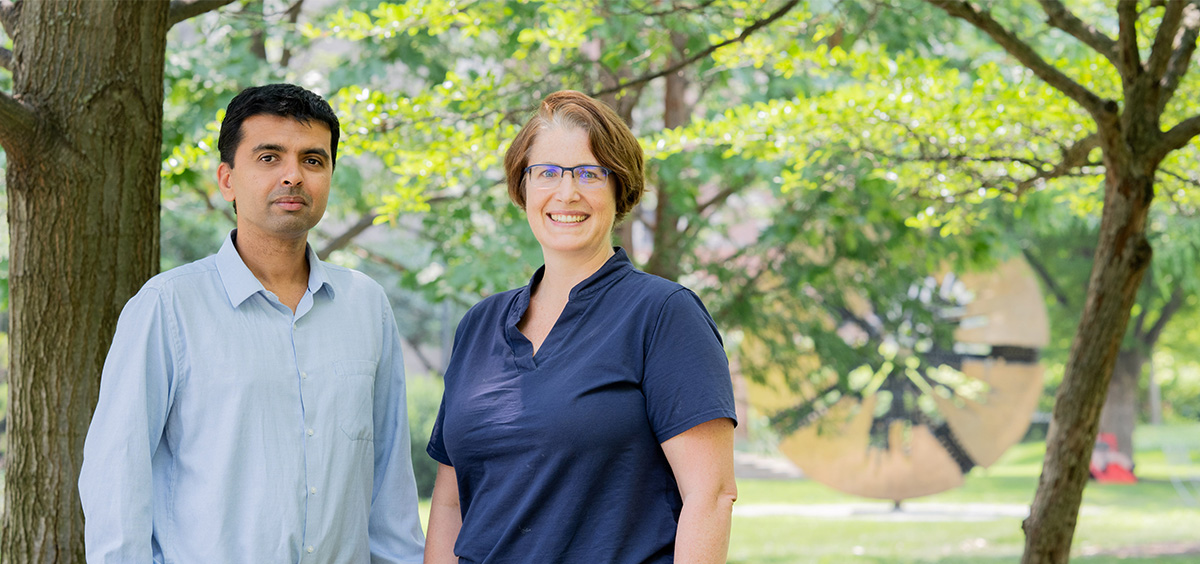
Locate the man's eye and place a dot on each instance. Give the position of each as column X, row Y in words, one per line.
column 267, row 158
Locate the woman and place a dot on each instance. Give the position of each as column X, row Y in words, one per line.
column 588, row 417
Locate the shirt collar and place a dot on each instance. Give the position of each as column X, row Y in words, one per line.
column 240, row 283
column 613, row 269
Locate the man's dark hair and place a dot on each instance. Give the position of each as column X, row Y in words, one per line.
column 284, row 100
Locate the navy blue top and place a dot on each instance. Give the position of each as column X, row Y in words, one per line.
column 557, row 456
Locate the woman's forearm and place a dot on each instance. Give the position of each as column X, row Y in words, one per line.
column 702, row 536
column 445, row 519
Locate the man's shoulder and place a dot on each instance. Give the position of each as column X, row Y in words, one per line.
column 186, row 274
column 343, row 278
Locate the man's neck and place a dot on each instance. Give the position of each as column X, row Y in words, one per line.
column 281, row 266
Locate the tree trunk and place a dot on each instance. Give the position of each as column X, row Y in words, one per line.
column 677, row 112
column 83, row 221
column 1119, row 415
column 1122, row 256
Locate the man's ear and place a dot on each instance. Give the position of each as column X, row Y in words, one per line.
column 224, row 182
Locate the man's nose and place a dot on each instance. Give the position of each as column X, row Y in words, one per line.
column 290, row 175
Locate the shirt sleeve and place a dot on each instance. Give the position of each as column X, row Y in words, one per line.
column 686, row 379
column 136, row 388
column 395, row 526
column 436, row 449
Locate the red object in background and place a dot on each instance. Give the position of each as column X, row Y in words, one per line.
column 1109, row 465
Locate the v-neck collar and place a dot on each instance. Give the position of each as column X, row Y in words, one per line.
column 614, row 269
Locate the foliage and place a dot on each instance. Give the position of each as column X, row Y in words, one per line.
column 1056, row 233
column 424, row 399
column 863, row 113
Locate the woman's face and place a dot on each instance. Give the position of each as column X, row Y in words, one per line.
column 568, row 218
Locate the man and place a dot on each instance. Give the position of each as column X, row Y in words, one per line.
column 252, row 406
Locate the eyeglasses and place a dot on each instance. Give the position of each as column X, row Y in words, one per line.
column 546, row 176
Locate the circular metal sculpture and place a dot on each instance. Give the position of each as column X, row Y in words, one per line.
column 915, row 428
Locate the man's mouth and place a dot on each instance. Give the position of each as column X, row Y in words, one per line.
column 291, row 203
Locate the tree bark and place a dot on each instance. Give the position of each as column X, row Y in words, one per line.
column 677, row 112
column 1119, row 415
column 1122, row 256
column 83, row 198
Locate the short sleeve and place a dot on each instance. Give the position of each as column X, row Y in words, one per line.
column 686, row 379
column 437, row 442
column 437, row 445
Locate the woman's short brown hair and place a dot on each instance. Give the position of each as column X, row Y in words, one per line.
column 609, row 138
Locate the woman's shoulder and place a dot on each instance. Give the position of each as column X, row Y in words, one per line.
column 493, row 304
column 651, row 287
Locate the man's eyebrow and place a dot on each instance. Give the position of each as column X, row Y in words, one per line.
column 267, row 147
column 319, row 151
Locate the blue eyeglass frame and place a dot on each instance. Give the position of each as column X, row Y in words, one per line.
column 571, row 169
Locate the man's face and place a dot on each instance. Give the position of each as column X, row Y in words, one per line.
column 279, row 178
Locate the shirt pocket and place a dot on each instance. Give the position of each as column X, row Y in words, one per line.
column 356, row 398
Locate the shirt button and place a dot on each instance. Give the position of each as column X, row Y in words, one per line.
column 312, row 490
column 303, row 375
column 310, row 432
column 309, row 549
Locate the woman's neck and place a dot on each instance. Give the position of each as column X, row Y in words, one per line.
column 565, row 271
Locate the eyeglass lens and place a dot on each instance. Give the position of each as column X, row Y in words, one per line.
column 548, row 176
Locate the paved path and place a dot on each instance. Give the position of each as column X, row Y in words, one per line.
column 886, row 511
column 763, row 467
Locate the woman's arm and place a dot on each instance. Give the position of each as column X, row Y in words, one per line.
column 702, row 461
column 445, row 518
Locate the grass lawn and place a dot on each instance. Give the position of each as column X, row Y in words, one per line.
column 1119, row 523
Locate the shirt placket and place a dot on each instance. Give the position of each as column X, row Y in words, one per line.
column 314, row 507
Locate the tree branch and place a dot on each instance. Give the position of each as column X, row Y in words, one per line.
column 9, row 11
column 1140, row 322
column 339, row 242
column 223, row 210
column 1129, row 62
column 415, row 347
column 1074, row 156
column 1192, row 181
column 293, row 16
column 1168, row 311
column 1164, row 40
column 1062, row 18
column 702, row 54
column 717, row 199
column 185, row 9
column 1059, row 295
column 5, row 58
column 673, row 10
column 17, row 122
column 1181, row 58
column 1175, row 138
column 1100, row 110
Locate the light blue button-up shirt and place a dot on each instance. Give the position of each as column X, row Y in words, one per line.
column 231, row 430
